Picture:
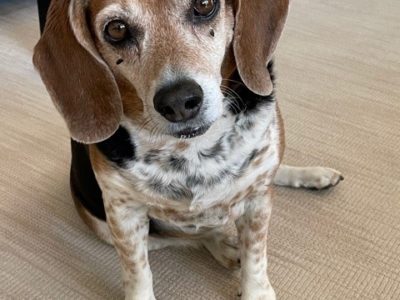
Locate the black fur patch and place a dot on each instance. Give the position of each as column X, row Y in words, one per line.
column 199, row 180
column 249, row 101
column 214, row 152
column 246, row 125
column 195, row 180
column 84, row 185
column 177, row 163
column 119, row 148
column 248, row 161
column 152, row 156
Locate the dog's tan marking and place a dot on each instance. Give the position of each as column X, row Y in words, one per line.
column 182, row 146
column 258, row 162
column 262, row 178
column 256, row 225
column 132, row 104
column 264, row 149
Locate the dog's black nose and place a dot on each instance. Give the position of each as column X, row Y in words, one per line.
column 180, row 101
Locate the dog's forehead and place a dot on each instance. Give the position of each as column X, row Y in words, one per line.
column 137, row 7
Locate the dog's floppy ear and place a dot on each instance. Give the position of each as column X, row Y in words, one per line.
column 259, row 24
column 79, row 82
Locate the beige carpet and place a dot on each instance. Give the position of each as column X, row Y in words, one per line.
column 339, row 88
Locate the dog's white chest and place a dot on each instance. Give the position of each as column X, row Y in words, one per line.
column 205, row 184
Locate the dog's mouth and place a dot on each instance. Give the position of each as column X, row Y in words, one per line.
column 191, row 132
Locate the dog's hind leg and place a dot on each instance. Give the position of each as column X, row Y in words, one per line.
column 224, row 248
column 307, row 177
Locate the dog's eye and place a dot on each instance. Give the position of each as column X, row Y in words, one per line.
column 204, row 8
column 116, row 31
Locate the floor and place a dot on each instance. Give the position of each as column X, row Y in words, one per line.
column 339, row 89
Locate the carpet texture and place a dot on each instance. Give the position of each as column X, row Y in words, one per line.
column 338, row 68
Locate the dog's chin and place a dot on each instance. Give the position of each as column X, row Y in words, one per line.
column 191, row 132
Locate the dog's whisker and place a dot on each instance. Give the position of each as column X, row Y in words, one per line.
column 232, row 91
column 237, row 96
column 233, row 99
column 234, row 81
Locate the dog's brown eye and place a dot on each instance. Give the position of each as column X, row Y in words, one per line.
column 116, row 31
column 204, row 8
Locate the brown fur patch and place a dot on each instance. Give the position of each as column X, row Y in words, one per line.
column 181, row 146
column 257, row 225
column 281, row 129
column 261, row 236
column 124, row 249
column 132, row 104
column 263, row 151
column 262, row 177
column 258, row 161
column 250, row 190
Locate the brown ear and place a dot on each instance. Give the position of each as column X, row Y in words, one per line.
column 79, row 82
column 259, row 24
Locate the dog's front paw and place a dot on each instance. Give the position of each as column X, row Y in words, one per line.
column 266, row 293
column 140, row 297
column 139, row 294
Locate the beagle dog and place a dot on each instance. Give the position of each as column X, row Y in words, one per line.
column 175, row 127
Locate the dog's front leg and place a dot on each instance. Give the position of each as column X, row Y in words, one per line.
column 252, row 229
column 129, row 226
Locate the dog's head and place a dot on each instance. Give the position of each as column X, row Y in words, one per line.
column 159, row 62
